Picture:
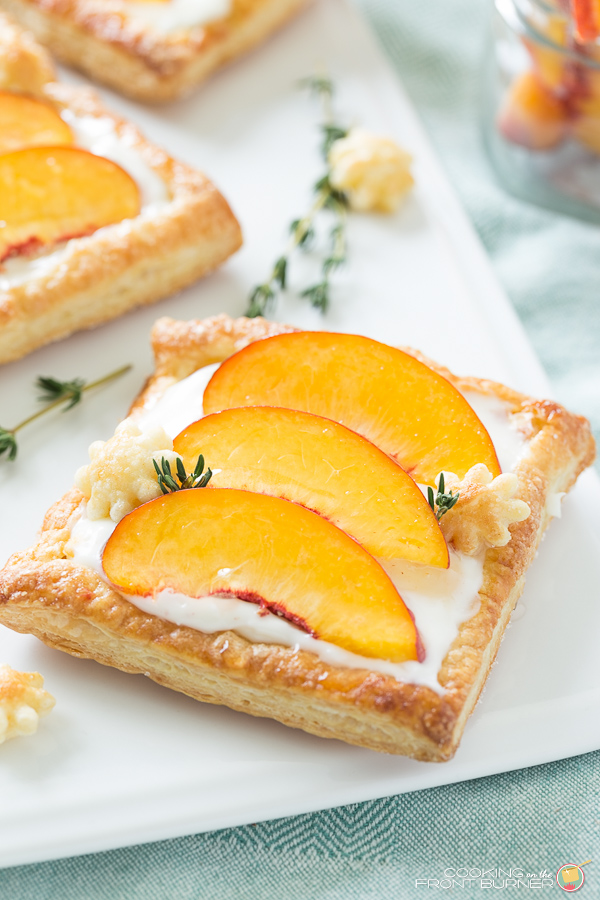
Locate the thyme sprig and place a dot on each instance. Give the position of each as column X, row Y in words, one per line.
column 52, row 389
column 441, row 502
column 302, row 231
column 166, row 479
column 56, row 392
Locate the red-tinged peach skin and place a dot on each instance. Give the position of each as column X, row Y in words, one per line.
column 325, row 467
column 397, row 402
column 27, row 122
column 532, row 115
column 48, row 194
column 267, row 551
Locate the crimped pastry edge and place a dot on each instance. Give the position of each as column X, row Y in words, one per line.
column 71, row 608
column 135, row 59
column 123, row 266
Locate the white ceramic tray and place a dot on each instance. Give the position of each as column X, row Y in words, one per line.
column 121, row 760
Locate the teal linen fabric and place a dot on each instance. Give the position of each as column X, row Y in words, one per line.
column 535, row 819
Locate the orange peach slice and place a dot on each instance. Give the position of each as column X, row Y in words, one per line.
column 25, row 122
column 551, row 64
column 267, row 551
column 325, row 467
column 405, row 408
column 48, row 194
column 532, row 115
column 586, row 14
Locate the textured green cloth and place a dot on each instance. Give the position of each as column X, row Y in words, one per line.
column 535, row 819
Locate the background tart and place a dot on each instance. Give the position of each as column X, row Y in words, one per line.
column 137, row 260
column 104, row 39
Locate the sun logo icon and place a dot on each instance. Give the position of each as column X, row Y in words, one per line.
column 570, row 877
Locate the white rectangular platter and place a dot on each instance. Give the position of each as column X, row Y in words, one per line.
column 122, row 760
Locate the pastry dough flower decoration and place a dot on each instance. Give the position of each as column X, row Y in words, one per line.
column 23, row 701
column 373, row 171
column 485, row 509
column 122, row 475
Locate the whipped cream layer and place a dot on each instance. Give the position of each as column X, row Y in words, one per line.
column 440, row 600
column 98, row 135
column 175, row 15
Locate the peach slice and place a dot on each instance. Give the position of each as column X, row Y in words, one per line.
column 552, row 65
column 532, row 115
column 405, row 408
column 325, row 467
column 267, row 551
column 48, row 194
column 586, row 14
column 25, row 122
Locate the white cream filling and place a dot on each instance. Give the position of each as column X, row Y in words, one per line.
column 554, row 504
column 440, row 600
column 178, row 14
column 507, row 439
column 98, row 135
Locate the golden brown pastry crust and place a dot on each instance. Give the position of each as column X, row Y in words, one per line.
column 71, row 608
column 122, row 266
column 98, row 38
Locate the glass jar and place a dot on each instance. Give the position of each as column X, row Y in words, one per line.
column 542, row 107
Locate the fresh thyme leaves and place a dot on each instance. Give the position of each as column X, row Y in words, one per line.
column 56, row 392
column 52, row 389
column 302, row 231
column 331, row 134
column 8, row 443
column 442, row 500
column 320, row 85
column 166, row 479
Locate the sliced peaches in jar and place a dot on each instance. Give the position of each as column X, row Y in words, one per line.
column 267, row 551
column 325, row 467
column 49, row 194
column 27, row 122
column 404, row 407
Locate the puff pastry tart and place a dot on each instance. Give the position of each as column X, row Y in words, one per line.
column 94, row 220
column 152, row 50
column 311, row 580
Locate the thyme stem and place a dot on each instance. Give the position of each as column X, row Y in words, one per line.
column 263, row 296
column 71, row 396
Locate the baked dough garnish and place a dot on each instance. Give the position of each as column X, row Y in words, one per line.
column 121, row 475
column 23, row 701
column 485, row 509
column 373, row 171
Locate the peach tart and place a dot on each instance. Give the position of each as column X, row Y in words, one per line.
column 94, row 220
column 312, row 527
column 152, row 50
